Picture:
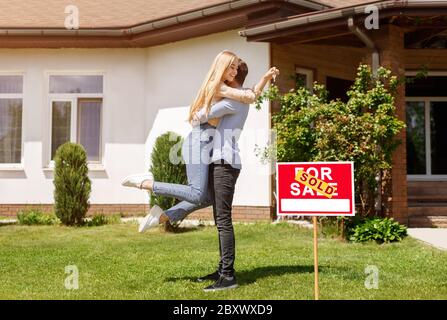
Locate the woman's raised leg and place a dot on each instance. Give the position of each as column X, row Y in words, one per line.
column 196, row 151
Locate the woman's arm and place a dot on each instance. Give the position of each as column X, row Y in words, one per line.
column 247, row 96
column 242, row 95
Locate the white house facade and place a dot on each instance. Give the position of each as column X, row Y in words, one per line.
column 116, row 102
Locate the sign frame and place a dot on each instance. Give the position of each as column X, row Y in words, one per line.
column 310, row 214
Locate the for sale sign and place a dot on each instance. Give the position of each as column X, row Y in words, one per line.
column 315, row 188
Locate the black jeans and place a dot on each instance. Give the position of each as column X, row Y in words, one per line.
column 222, row 182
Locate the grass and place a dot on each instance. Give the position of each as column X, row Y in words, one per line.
column 7, row 217
column 273, row 262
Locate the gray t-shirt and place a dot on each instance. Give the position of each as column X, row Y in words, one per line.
column 225, row 143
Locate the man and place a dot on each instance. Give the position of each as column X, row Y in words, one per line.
column 224, row 171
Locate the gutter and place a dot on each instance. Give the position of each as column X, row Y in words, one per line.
column 345, row 12
column 155, row 24
column 368, row 42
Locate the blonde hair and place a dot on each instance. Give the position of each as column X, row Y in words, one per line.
column 211, row 83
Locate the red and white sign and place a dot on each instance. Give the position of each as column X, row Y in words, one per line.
column 315, row 188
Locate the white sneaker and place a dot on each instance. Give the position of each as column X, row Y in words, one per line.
column 136, row 180
column 151, row 220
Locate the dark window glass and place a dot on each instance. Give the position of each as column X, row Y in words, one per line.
column 426, row 87
column 338, row 87
column 61, row 122
column 89, row 125
column 438, row 127
column 416, row 163
column 10, row 130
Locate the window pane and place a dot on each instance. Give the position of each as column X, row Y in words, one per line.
column 416, row 163
column 338, row 88
column 89, row 127
column 426, row 87
column 10, row 130
column 75, row 84
column 301, row 80
column 61, row 119
column 11, row 84
column 438, row 135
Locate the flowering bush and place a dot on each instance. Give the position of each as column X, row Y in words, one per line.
column 363, row 130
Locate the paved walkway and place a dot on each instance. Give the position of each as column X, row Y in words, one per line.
column 436, row 237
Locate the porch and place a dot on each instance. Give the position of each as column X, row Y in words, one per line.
column 409, row 42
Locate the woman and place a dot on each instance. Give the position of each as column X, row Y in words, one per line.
column 197, row 147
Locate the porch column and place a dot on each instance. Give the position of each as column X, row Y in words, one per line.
column 391, row 47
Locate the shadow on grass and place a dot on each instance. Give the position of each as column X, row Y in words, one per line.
column 182, row 229
column 250, row 276
column 8, row 223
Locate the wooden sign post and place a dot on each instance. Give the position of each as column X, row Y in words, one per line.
column 317, row 290
column 315, row 189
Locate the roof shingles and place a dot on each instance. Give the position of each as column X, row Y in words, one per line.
column 107, row 13
column 93, row 14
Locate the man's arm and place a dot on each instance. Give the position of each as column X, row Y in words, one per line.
column 220, row 109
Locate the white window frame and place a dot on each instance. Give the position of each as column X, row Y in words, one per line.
column 426, row 100
column 16, row 166
column 428, row 176
column 74, row 98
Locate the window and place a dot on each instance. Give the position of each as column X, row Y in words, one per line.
column 76, row 108
column 304, row 78
column 11, row 99
column 416, row 144
column 426, row 110
column 338, row 88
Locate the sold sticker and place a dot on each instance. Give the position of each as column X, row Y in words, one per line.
column 315, row 184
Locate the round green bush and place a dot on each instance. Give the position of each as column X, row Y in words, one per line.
column 378, row 229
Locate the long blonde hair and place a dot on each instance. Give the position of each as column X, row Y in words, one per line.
column 211, row 83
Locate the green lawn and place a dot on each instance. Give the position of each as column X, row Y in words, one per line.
column 273, row 262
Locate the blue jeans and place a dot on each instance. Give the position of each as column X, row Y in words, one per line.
column 196, row 152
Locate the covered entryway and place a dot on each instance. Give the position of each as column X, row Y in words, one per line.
column 410, row 39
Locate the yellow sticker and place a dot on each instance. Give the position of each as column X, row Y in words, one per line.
column 315, row 184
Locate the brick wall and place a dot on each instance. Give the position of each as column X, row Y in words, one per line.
column 334, row 61
column 391, row 44
column 240, row 213
column 433, row 59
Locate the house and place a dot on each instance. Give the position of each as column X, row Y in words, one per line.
column 130, row 70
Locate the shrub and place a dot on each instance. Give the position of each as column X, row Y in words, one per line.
column 378, row 229
column 363, row 130
column 101, row 219
column 167, row 148
column 332, row 227
column 72, row 184
column 36, row 217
